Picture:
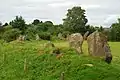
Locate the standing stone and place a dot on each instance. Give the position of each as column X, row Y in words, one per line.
column 37, row 37
column 22, row 38
column 98, row 46
column 60, row 36
column 76, row 41
column 108, row 55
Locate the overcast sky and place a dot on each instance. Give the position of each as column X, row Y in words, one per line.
column 98, row 12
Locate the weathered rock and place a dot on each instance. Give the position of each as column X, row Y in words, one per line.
column 22, row 38
column 76, row 41
column 90, row 65
column 37, row 37
column 108, row 55
column 60, row 36
column 98, row 46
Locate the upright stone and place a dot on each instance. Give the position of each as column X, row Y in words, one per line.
column 76, row 41
column 37, row 37
column 60, row 36
column 22, row 38
column 98, row 46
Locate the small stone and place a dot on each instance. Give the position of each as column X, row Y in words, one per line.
column 90, row 65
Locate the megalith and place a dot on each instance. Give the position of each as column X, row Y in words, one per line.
column 98, row 46
column 22, row 38
column 60, row 36
column 76, row 41
column 37, row 37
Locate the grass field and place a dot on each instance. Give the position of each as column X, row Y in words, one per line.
column 26, row 61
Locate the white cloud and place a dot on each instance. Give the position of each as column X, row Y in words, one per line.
column 33, row 1
column 90, row 6
column 62, row 4
column 110, row 19
column 98, row 12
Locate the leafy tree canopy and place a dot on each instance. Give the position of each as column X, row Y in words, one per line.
column 75, row 20
column 19, row 23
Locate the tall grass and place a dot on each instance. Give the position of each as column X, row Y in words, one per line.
column 47, row 67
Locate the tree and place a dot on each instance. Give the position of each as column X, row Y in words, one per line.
column 101, row 29
column 75, row 20
column 19, row 23
column 115, row 31
column 6, row 24
column 58, row 29
column 11, row 34
column 90, row 28
column 0, row 23
column 36, row 21
column 31, row 32
column 49, row 23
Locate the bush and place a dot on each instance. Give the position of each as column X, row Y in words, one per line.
column 65, row 33
column 11, row 35
column 31, row 33
column 54, row 38
column 45, row 35
column 19, row 23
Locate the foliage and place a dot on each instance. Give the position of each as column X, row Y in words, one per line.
column 90, row 28
column 48, row 23
column 75, row 20
column 101, row 29
column 45, row 35
column 31, row 33
column 45, row 66
column 3, row 29
column 11, row 35
column 19, row 23
column 65, row 34
column 115, row 31
column 6, row 24
column 36, row 21
column 58, row 29
column 0, row 24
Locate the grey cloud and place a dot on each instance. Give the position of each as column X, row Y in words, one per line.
column 98, row 12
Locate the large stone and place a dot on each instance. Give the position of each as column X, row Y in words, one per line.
column 98, row 46
column 76, row 41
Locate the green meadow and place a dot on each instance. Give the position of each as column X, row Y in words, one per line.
column 29, row 60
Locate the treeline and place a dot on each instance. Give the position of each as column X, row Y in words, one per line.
column 75, row 22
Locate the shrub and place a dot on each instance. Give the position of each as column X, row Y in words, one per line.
column 31, row 33
column 45, row 35
column 54, row 38
column 11, row 35
column 65, row 33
